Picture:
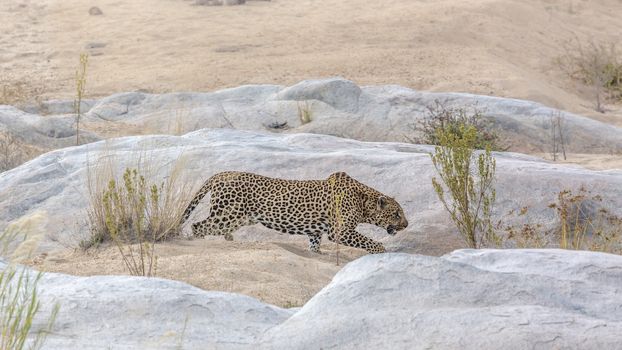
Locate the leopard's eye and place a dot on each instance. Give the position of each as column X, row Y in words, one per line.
column 397, row 215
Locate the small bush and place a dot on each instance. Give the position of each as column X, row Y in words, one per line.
column 584, row 223
column 304, row 113
column 134, row 213
column 525, row 235
column 597, row 66
column 452, row 120
column 469, row 181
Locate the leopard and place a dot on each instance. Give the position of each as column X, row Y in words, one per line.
column 334, row 206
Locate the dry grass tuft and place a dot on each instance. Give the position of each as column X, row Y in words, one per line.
column 13, row 152
column 19, row 303
column 584, row 223
column 136, row 209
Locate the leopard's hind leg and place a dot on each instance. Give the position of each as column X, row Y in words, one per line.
column 214, row 226
column 221, row 222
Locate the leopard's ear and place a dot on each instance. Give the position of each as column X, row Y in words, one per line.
column 382, row 202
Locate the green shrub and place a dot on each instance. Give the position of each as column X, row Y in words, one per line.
column 304, row 113
column 19, row 304
column 466, row 186
column 452, row 120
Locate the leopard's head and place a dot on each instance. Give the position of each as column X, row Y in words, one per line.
column 385, row 212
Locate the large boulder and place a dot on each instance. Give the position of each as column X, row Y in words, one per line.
column 331, row 106
column 122, row 312
column 466, row 300
column 49, row 194
column 487, row 299
column 43, row 132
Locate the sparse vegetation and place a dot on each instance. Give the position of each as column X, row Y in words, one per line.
column 583, row 223
column 524, row 235
column 182, row 335
column 80, row 90
column 135, row 213
column 452, row 120
column 304, row 112
column 466, row 186
column 597, row 65
column 14, row 152
column 290, row 304
column 10, row 153
column 19, row 303
column 558, row 136
column 11, row 93
column 15, row 92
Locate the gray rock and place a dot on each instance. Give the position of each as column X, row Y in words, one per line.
column 103, row 312
column 376, row 113
column 341, row 94
column 335, row 107
column 57, row 107
column 53, row 186
column 469, row 299
column 509, row 299
column 95, row 11
column 49, row 132
column 219, row 2
column 95, row 45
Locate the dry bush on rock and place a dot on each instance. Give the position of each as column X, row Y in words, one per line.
column 466, row 186
column 134, row 212
column 583, row 223
column 451, row 119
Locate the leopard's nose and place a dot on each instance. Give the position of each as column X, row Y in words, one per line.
column 404, row 223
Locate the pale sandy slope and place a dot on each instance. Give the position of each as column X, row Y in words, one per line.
column 498, row 47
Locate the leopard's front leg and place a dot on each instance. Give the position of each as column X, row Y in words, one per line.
column 351, row 238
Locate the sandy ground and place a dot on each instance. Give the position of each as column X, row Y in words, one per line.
column 498, row 47
column 280, row 273
column 590, row 161
column 272, row 267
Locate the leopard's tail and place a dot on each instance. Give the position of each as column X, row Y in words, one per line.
column 207, row 187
